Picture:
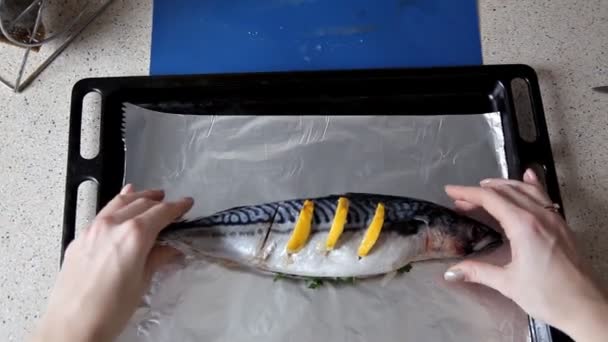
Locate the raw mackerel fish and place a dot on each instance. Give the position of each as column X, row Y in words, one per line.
column 350, row 235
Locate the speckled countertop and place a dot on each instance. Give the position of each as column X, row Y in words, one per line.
column 566, row 41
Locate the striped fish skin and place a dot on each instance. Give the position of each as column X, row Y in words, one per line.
column 256, row 236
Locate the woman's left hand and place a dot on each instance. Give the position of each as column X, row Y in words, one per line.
column 108, row 267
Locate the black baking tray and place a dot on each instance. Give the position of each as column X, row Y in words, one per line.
column 456, row 90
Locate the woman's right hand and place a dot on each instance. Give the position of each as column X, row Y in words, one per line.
column 546, row 276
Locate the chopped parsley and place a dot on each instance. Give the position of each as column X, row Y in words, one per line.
column 344, row 280
column 279, row 276
column 314, row 283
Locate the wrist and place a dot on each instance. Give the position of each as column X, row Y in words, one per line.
column 59, row 329
column 590, row 323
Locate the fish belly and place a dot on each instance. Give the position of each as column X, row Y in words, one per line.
column 393, row 252
column 235, row 243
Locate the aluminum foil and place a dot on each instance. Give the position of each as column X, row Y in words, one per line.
column 226, row 161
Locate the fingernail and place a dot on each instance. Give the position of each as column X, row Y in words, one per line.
column 125, row 189
column 453, row 275
column 530, row 175
column 188, row 199
column 486, row 181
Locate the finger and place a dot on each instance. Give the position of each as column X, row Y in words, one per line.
column 495, row 204
column 123, row 200
column 133, row 209
column 127, row 189
column 161, row 215
column 465, row 206
column 160, row 256
column 531, row 178
column 477, row 272
column 476, row 213
column 533, row 191
column 519, row 198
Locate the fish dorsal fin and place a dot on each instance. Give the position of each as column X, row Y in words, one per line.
column 373, row 196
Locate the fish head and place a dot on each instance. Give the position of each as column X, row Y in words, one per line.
column 473, row 236
column 452, row 235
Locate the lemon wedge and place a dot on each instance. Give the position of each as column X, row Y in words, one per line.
column 301, row 231
column 373, row 232
column 337, row 225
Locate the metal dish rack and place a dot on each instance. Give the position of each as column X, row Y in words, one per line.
column 9, row 19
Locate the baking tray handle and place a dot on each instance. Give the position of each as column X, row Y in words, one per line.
column 536, row 152
column 79, row 169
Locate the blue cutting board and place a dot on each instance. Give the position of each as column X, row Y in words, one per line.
column 219, row 36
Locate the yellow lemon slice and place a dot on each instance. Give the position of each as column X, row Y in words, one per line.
column 337, row 225
column 373, row 232
column 301, row 231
